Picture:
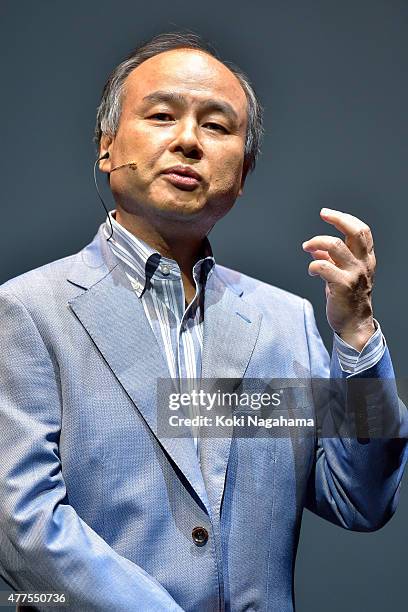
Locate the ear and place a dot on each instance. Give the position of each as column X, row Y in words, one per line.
column 243, row 177
column 105, row 146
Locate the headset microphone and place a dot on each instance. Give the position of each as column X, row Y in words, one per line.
column 105, row 156
column 131, row 164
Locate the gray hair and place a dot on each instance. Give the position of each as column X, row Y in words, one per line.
column 109, row 109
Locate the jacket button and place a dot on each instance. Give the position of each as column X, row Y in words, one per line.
column 200, row 535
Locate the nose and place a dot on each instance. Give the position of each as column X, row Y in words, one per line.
column 186, row 140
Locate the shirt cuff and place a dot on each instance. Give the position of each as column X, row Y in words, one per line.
column 352, row 361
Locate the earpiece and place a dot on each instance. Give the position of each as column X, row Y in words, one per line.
column 104, row 156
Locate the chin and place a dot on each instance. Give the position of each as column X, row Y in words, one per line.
column 183, row 208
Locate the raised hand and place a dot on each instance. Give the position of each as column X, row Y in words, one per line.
column 348, row 268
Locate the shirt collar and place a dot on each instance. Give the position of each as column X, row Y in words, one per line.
column 143, row 262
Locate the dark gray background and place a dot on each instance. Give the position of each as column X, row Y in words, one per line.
column 333, row 80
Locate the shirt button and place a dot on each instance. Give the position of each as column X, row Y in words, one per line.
column 165, row 270
column 200, row 535
column 136, row 285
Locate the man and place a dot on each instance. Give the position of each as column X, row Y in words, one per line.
column 98, row 504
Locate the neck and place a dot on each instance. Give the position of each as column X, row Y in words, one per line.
column 182, row 244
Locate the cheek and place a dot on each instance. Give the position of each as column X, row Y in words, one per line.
column 228, row 170
column 145, row 145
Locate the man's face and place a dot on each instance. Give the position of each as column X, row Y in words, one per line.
column 179, row 108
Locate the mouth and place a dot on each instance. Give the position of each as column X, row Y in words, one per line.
column 183, row 177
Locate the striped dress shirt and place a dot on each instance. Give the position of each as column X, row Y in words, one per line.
column 157, row 282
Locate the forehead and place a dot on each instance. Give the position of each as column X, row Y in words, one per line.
column 193, row 73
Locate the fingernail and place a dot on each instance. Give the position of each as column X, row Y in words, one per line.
column 326, row 211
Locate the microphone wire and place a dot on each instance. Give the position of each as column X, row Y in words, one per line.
column 99, row 195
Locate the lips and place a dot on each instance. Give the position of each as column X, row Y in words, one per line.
column 183, row 177
column 183, row 171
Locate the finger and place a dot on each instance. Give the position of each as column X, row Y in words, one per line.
column 337, row 250
column 321, row 255
column 327, row 271
column 358, row 235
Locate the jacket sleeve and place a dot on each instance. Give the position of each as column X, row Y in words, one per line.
column 44, row 545
column 355, row 482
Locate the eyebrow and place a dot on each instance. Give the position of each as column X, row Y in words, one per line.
column 178, row 99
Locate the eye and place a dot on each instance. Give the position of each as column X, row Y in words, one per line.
column 217, row 127
column 161, row 117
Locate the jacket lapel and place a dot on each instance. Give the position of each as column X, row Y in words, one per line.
column 231, row 328
column 114, row 318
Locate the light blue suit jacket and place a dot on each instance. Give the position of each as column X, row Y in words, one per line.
column 96, row 504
